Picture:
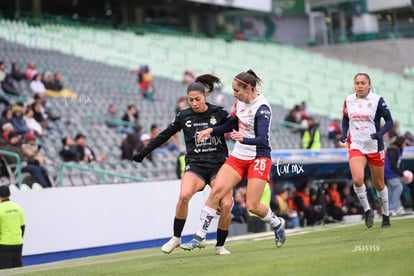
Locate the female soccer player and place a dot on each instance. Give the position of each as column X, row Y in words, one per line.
column 250, row 158
column 203, row 158
column 362, row 113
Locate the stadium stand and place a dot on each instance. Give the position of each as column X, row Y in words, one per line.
column 96, row 64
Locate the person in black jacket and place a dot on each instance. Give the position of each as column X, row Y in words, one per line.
column 69, row 152
column 203, row 159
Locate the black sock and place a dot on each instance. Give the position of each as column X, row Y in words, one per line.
column 178, row 227
column 221, row 236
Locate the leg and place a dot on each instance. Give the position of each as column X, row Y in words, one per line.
column 377, row 173
column 226, row 204
column 395, row 188
column 226, row 179
column 190, row 184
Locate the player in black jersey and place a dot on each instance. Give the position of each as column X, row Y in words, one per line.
column 203, row 159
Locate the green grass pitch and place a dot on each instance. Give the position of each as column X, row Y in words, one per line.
column 320, row 250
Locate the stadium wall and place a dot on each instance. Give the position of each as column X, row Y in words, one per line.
column 72, row 222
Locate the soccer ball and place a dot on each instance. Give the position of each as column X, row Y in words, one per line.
column 408, row 174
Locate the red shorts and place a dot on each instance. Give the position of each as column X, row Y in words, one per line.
column 376, row 159
column 255, row 168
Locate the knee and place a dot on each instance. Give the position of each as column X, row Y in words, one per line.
column 252, row 206
column 184, row 198
column 358, row 181
column 226, row 205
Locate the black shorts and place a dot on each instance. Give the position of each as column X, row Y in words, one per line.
column 205, row 174
column 10, row 256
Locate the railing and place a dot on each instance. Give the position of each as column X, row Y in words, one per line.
column 18, row 163
column 123, row 87
column 118, row 122
column 93, row 170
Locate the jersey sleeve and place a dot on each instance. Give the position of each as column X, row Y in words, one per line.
column 262, row 119
column 384, row 112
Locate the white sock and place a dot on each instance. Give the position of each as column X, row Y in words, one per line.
column 383, row 196
column 361, row 193
column 206, row 217
column 272, row 219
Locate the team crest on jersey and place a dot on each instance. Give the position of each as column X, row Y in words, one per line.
column 213, row 120
column 369, row 105
column 250, row 112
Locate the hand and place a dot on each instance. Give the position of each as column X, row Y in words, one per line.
column 343, row 139
column 138, row 157
column 236, row 136
column 203, row 134
column 375, row 136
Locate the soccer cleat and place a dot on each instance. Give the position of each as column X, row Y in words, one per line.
column 220, row 250
column 172, row 244
column 385, row 221
column 196, row 242
column 280, row 236
column 369, row 218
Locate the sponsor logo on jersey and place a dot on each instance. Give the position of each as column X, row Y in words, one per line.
column 213, row 120
column 188, row 123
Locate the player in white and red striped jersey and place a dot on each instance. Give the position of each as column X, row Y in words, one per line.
column 362, row 115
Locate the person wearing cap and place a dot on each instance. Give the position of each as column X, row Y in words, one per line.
column 17, row 120
column 28, row 164
column 69, row 152
column 12, row 226
column 33, row 150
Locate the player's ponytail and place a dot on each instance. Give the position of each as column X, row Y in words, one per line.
column 248, row 78
column 202, row 82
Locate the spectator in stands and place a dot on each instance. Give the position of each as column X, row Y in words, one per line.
column 304, row 112
column 282, row 208
column 16, row 73
column 394, row 131
column 6, row 116
column 39, row 113
column 113, row 115
column 334, row 133
column 409, row 139
column 188, row 77
column 33, row 150
column 181, row 104
column 311, row 137
column 239, row 211
column 57, row 82
column 2, row 71
column 292, row 116
column 30, row 70
column 130, row 145
column 31, row 122
column 7, row 128
column 47, row 80
column 145, row 138
column 29, row 164
column 36, row 85
column 86, row 153
column 69, row 152
column 173, row 144
column 18, row 122
column 334, row 204
column 350, row 203
column 393, row 172
column 145, row 83
column 8, row 86
column 131, row 116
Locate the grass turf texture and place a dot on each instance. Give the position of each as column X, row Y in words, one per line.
column 322, row 250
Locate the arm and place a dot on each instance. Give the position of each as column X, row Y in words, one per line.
column 23, row 227
column 393, row 156
column 228, row 126
column 161, row 138
column 262, row 131
column 345, row 127
column 385, row 113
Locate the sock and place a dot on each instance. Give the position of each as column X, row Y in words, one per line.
column 221, row 236
column 178, row 227
column 383, row 196
column 272, row 219
column 207, row 215
column 361, row 193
